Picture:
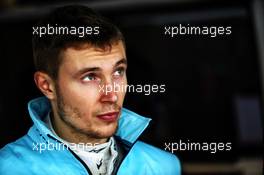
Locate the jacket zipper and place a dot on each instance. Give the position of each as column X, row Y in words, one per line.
column 130, row 147
column 75, row 155
column 84, row 164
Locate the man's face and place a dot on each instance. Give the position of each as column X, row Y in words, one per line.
column 81, row 102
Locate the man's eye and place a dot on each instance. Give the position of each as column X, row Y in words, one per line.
column 90, row 77
column 119, row 72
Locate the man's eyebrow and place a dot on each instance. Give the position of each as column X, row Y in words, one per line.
column 94, row 69
column 122, row 61
column 87, row 69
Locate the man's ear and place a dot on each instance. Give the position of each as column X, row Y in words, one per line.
column 45, row 84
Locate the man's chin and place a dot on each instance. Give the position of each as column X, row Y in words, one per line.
column 106, row 132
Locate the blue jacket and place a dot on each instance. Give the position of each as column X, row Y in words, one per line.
column 27, row 155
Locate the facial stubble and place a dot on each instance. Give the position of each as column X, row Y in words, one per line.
column 67, row 112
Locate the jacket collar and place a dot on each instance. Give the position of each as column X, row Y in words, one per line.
column 130, row 124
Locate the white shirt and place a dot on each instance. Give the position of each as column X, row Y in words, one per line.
column 99, row 158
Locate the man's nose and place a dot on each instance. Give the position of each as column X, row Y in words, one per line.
column 109, row 94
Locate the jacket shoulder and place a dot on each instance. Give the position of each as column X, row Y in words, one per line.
column 147, row 159
column 26, row 157
column 12, row 156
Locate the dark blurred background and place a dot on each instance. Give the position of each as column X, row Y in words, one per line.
column 214, row 86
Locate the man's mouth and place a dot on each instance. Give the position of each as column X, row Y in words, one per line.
column 109, row 116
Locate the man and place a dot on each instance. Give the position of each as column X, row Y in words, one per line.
column 80, row 126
